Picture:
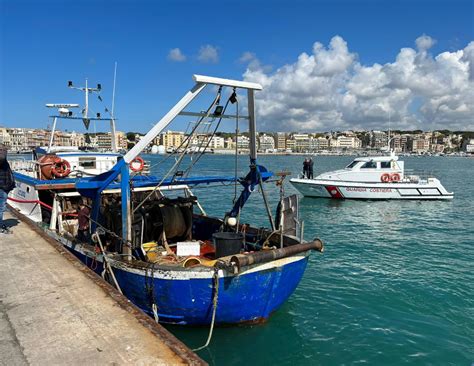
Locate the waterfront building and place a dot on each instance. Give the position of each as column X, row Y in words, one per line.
column 101, row 140
column 290, row 145
column 468, row 146
column 301, row 142
column 319, row 143
column 378, row 139
column 348, row 142
column 420, row 144
column 229, row 143
column 171, row 139
column 280, row 141
column 266, row 142
column 4, row 136
column 243, row 142
column 217, row 142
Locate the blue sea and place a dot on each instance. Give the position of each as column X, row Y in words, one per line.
column 394, row 286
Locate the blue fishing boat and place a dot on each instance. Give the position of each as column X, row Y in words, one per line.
column 150, row 236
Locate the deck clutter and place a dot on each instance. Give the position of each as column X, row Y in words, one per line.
column 150, row 236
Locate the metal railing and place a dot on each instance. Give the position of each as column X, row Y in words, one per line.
column 417, row 175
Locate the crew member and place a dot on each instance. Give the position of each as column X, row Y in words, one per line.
column 83, row 233
column 310, row 168
column 305, row 168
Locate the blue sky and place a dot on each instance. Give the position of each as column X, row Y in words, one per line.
column 45, row 43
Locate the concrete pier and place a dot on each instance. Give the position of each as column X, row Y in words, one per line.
column 55, row 311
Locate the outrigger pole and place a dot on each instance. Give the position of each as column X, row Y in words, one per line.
column 94, row 186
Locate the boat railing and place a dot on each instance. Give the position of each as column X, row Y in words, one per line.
column 418, row 175
column 23, row 165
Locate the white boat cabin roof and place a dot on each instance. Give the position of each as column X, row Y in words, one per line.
column 377, row 158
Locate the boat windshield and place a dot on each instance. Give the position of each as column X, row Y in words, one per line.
column 351, row 165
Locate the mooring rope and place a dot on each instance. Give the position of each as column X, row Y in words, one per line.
column 214, row 310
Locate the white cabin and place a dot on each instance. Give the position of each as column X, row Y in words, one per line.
column 367, row 169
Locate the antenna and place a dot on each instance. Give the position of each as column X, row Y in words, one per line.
column 86, row 90
column 389, row 115
column 112, row 120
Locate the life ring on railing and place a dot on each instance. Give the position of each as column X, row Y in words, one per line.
column 395, row 177
column 137, row 164
column 60, row 168
column 385, row 178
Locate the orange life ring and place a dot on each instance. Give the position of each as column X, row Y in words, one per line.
column 141, row 165
column 395, row 177
column 60, row 168
column 385, row 178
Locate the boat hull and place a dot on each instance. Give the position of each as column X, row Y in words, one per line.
column 431, row 190
column 185, row 296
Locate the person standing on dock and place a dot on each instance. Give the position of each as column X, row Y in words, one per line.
column 7, row 183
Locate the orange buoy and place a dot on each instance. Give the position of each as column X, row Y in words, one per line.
column 385, row 178
column 395, row 177
column 137, row 164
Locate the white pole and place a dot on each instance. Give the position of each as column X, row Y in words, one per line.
column 86, row 108
column 51, row 138
column 112, row 120
column 113, row 91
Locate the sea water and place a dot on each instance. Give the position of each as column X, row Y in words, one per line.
column 395, row 284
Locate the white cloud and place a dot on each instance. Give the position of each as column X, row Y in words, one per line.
column 247, row 57
column 330, row 89
column 176, row 55
column 424, row 42
column 208, row 54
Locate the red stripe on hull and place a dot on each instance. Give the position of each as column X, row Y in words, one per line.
column 334, row 192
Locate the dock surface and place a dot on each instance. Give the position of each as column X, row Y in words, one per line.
column 52, row 312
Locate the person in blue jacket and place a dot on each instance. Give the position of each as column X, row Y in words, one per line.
column 7, row 183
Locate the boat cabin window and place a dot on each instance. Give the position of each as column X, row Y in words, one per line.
column 385, row 165
column 353, row 164
column 88, row 162
column 369, row 165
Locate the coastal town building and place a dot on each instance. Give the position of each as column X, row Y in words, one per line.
column 243, row 142
column 468, row 146
column 266, row 142
column 171, row 139
column 280, row 141
column 302, row 142
column 378, row 139
column 348, row 142
column 417, row 142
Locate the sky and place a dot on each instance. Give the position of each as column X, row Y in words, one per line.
column 324, row 65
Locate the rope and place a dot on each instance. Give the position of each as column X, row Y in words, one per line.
column 31, row 201
column 214, row 310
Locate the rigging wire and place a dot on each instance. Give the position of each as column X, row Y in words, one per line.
column 188, row 170
column 188, row 137
column 178, row 162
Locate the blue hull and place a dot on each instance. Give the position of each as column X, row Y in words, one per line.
column 181, row 299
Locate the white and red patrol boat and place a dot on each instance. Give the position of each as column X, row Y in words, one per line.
column 373, row 178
